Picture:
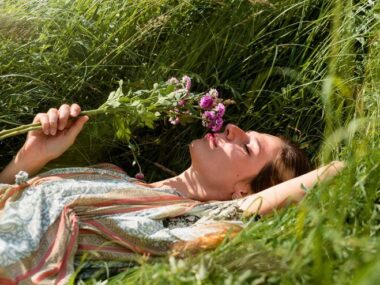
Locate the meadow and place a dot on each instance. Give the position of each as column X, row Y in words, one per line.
column 306, row 69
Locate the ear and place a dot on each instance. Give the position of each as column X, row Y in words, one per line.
column 241, row 189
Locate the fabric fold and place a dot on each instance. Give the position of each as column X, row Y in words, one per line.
column 101, row 214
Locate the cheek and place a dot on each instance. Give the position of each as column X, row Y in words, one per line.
column 226, row 162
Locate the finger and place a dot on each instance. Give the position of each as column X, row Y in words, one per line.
column 43, row 119
column 74, row 110
column 63, row 116
column 77, row 126
column 53, row 120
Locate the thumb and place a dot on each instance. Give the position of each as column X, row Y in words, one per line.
column 76, row 127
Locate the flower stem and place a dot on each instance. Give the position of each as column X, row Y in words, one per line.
column 37, row 126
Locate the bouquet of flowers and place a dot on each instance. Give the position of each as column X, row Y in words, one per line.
column 171, row 99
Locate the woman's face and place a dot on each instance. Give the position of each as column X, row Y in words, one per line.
column 226, row 162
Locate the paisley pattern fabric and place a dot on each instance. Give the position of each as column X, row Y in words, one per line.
column 101, row 213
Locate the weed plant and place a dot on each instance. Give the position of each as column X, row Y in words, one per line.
column 308, row 69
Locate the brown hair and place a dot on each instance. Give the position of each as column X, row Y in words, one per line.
column 289, row 163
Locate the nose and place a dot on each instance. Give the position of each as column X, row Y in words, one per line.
column 233, row 132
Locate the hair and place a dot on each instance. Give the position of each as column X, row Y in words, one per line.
column 289, row 163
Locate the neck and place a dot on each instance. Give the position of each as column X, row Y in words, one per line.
column 188, row 183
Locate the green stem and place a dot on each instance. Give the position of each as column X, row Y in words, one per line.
column 37, row 126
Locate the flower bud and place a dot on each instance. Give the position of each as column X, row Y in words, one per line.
column 139, row 176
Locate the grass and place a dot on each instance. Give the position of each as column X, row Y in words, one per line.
column 306, row 69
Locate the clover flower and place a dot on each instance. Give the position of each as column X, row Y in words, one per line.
column 206, row 102
column 220, row 109
column 214, row 110
column 212, row 107
column 186, row 80
column 173, row 81
column 208, row 117
column 212, row 120
column 217, row 124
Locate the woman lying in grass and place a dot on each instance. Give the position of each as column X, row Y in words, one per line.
column 225, row 166
column 47, row 220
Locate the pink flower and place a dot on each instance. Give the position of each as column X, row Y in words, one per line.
column 213, row 119
column 206, row 102
column 217, row 124
column 187, row 81
column 208, row 115
column 174, row 121
column 173, row 81
column 181, row 103
column 139, row 176
column 208, row 118
column 220, row 109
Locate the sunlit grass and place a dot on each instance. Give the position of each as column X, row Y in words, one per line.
column 306, row 69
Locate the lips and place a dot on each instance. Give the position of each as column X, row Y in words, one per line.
column 211, row 138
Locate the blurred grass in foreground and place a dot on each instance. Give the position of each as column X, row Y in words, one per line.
column 306, row 69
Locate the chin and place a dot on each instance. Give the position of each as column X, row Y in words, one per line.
column 195, row 151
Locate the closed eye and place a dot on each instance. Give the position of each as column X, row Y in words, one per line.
column 246, row 148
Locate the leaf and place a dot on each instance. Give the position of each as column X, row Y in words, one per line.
column 113, row 100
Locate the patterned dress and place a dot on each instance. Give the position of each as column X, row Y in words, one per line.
column 101, row 213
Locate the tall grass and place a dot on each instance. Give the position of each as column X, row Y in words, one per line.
column 77, row 51
column 306, row 69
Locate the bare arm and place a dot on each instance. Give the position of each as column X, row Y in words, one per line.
column 279, row 195
column 42, row 146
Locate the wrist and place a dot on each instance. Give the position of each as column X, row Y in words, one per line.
column 29, row 161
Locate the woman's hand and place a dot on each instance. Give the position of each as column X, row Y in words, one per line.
column 58, row 133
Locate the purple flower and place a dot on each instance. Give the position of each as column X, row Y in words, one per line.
column 208, row 116
column 213, row 120
column 217, row 124
column 173, row 81
column 187, row 81
column 206, row 102
column 220, row 109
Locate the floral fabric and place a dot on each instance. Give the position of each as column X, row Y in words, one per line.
column 99, row 211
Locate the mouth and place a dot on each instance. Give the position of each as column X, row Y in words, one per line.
column 211, row 138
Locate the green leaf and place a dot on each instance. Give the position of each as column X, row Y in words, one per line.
column 113, row 100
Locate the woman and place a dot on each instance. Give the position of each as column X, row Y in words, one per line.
column 46, row 221
column 225, row 166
